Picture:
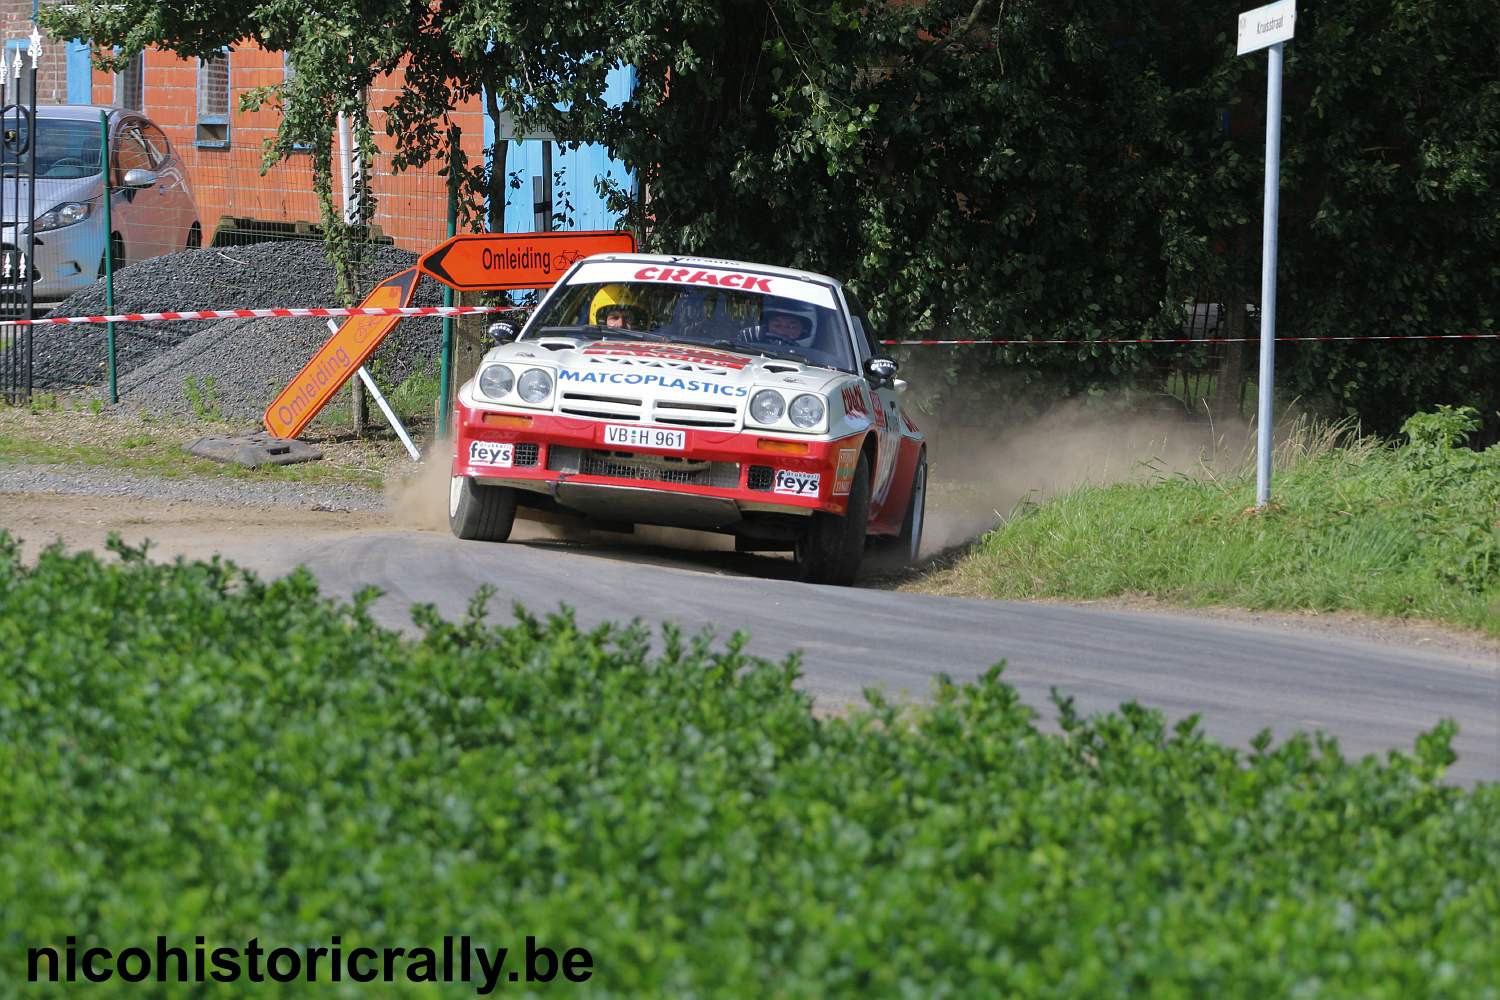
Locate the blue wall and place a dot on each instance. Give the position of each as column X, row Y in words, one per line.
column 578, row 169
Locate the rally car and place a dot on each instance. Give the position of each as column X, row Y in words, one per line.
column 695, row 393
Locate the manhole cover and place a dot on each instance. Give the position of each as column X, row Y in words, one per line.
column 255, row 449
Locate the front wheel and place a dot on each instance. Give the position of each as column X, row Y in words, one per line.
column 832, row 546
column 480, row 513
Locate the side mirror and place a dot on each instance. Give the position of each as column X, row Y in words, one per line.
column 138, row 177
column 503, row 332
column 881, row 369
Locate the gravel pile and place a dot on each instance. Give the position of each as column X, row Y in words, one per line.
column 249, row 360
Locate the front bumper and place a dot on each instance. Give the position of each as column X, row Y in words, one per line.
column 67, row 260
column 717, row 479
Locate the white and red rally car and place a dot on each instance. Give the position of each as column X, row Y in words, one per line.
column 695, row 393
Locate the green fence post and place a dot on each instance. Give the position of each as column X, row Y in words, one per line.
column 445, row 366
column 109, row 253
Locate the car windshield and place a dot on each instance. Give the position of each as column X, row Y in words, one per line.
column 65, row 150
column 771, row 325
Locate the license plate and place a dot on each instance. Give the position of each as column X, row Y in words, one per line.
column 645, row 437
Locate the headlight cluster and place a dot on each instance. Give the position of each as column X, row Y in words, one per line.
column 65, row 214
column 805, row 411
column 533, row 388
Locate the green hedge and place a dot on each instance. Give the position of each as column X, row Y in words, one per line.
column 189, row 750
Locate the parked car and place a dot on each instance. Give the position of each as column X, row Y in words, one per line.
column 709, row 394
column 152, row 209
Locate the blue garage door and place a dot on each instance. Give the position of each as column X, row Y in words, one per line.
column 574, row 172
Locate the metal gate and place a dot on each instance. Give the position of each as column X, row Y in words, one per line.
column 18, row 197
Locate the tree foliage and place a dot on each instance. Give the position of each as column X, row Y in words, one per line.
column 1009, row 169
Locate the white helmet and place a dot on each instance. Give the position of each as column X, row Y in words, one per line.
column 778, row 310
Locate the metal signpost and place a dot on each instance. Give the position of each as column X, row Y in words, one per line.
column 1271, row 27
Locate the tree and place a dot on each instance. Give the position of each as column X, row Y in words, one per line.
column 1015, row 169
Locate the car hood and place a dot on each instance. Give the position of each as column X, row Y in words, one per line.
column 652, row 369
column 49, row 194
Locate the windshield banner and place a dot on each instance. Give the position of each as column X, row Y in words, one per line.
column 718, row 277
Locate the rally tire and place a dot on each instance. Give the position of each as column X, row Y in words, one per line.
column 832, row 546
column 900, row 551
column 480, row 513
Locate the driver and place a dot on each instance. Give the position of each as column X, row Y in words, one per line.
column 786, row 327
column 615, row 307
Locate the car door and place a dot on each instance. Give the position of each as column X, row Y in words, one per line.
column 134, row 210
column 885, row 408
column 175, row 212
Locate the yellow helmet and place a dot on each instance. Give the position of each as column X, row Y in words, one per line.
column 612, row 297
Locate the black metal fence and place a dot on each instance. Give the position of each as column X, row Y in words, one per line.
column 18, row 244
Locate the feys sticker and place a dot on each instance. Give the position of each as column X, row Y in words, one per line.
column 492, row 453
column 797, row 484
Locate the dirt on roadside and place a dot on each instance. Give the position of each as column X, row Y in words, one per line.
column 190, row 529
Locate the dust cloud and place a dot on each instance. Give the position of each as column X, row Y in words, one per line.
column 980, row 476
column 420, row 499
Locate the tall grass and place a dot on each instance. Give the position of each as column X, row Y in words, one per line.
column 1409, row 529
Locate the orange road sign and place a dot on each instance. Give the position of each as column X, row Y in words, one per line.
column 506, row 261
column 338, row 359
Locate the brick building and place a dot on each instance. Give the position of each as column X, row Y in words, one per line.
column 196, row 103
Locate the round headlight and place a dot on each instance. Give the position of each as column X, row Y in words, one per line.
column 766, row 406
column 495, row 381
column 534, row 386
column 806, row 411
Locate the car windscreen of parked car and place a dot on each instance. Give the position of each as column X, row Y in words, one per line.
column 699, row 314
column 65, row 150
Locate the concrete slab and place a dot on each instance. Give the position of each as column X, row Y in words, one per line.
column 259, row 448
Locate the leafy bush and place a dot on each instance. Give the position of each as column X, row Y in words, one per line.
column 191, row 750
column 1395, row 530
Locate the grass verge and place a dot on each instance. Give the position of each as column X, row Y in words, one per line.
column 153, row 447
column 189, row 750
column 1400, row 530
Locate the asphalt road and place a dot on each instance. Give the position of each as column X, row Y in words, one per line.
column 1241, row 678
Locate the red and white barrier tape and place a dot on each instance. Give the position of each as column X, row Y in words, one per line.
column 331, row 312
column 1200, row 340
column 263, row 314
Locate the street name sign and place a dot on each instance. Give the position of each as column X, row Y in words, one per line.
column 1264, row 26
column 1269, row 27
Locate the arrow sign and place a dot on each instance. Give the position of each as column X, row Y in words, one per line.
column 339, row 358
column 505, row 261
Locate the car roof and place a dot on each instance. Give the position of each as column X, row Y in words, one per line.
column 743, row 265
column 80, row 112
